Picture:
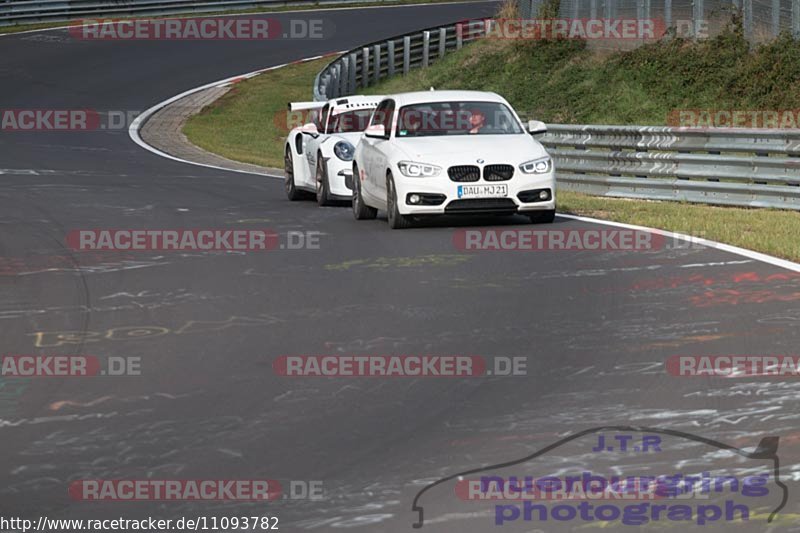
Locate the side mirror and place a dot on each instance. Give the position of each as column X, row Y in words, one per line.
column 376, row 131
column 536, row 126
column 310, row 129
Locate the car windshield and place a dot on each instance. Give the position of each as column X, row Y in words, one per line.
column 350, row 121
column 456, row 118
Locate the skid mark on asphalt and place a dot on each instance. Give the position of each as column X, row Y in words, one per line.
column 442, row 260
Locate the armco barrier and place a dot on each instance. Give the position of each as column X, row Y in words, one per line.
column 370, row 63
column 724, row 166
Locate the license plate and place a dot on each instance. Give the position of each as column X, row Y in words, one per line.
column 482, row 191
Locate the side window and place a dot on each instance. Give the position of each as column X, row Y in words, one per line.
column 383, row 115
column 387, row 117
column 377, row 116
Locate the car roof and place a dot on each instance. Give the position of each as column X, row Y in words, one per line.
column 418, row 97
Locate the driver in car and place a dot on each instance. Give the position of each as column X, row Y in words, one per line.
column 477, row 120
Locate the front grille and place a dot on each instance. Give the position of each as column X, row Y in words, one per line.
column 481, row 205
column 498, row 172
column 464, row 173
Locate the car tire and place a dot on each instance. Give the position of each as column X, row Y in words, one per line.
column 542, row 217
column 361, row 211
column 396, row 220
column 292, row 192
column 321, row 179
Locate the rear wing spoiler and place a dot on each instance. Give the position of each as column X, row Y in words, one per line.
column 304, row 106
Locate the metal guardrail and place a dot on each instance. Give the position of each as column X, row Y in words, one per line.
column 33, row 11
column 370, row 63
column 740, row 167
column 724, row 166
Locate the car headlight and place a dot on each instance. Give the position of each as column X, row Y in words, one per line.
column 542, row 165
column 344, row 150
column 418, row 170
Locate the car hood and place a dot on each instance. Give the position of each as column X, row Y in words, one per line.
column 352, row 137
column 470, row 148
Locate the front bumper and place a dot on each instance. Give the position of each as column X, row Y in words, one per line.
column 440, row 196
column 340, row 178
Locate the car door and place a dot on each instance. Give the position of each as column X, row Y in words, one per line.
column 371, row 148
column 378, row 148
column 382, row 148
column 312, row 146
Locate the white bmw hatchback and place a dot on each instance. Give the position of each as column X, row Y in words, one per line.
column 451, row 152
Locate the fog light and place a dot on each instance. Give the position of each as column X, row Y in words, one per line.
column 544, row 195
column 414, row 199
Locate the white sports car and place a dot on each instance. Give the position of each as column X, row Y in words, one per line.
column 449, row 152
column 318, row 156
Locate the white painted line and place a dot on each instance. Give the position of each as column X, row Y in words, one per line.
column 133, row 129
column 764, row 258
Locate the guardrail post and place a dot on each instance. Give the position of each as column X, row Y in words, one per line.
column 333, row 87
column 390, row 57
column 353, row 68
column 460, row 35
column 610, row 9
column 748, row 18
column 365, row 67
column 776, row 17
column 796, row 19
column 376, row 52
column 426, row 47
column 344, row 77
column 442, row 41
column 697, row 16
column 406, row 54
column 524, row 8
column 640, row 14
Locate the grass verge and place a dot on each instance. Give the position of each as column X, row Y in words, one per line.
column 248, row 123
column 240, row 126
column 770, row 231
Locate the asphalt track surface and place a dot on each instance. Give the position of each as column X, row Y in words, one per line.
column 595, row 327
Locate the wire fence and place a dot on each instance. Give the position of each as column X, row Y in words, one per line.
column 762, row 20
